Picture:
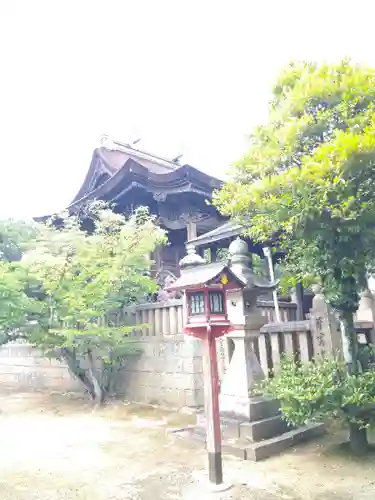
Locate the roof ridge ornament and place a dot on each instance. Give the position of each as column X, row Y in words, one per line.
column 192, row 259
column 107, row 143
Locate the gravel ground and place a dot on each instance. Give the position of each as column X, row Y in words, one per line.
column 56, row 447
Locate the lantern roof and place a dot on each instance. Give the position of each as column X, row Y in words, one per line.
column 205, row 274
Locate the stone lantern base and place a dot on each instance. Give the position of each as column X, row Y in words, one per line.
column 251, row 427
column 262, row 435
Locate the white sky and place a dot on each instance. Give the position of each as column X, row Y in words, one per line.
column 186, row 76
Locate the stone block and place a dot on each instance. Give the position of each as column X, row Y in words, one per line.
column 173, row 365
column 194, row 397
column 180, row 381
column 274, row 446
column 9, row 379
column 257, row 408
column 262, row 449
column 193, row 365
column 263, row 429
column 5, row 369
column 235, row 450
column 230, row 428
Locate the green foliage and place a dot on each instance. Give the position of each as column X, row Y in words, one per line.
column 322, row 389
column 15, row 306
column 86, row 275
column 83, row 278
column 308, row 181
column 14, row 236
column 260, row 267
column 222, row 253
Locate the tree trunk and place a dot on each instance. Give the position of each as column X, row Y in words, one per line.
column 358, row 439
column 98, row 391
column 79, row 373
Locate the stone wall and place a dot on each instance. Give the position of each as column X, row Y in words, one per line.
column 24, row 368
column 167, row 371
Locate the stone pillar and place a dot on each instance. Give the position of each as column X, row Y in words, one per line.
column 366, row 307
column 366, row 311
column 325, row 326
column 243, row 373
column 297, row 298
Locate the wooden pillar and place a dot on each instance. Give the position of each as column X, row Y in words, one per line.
column 299, row 300
column 191, row 229
column 213, row 250
column 211, row 402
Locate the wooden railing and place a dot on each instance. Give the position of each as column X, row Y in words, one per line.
column 291, row 338
column 167, row 319
column 288, row 310
column 299, row 339
column 161, row 319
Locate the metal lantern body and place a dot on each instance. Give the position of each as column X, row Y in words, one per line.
column 205, row 308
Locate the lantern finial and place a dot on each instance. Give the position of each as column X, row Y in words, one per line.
column 239, row 252
column 192, row 259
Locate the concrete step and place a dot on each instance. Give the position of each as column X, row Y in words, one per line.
column 263, row 429
column 275, row 445
column 259, row 407
column 236, row 428
column 255, row 451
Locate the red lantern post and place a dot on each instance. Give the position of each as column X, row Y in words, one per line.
column 205, row 317
column 211, row 398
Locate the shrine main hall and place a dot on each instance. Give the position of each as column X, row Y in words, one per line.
column 179, row 195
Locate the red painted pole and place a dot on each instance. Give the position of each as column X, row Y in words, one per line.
column 211, row 397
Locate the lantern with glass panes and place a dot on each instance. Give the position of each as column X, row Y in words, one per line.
column 205, row 288
column 219, row 296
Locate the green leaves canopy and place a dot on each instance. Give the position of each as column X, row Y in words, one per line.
column 309, row 177
column 15, row 305
column 14, row 236
column 84, row 276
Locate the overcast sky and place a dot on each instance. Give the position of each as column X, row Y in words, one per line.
column 184, row 76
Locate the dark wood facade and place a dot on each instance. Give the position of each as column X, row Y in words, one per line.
column 177, row 194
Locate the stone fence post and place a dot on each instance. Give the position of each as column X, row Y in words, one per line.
column 325, row 327
column 366, row 312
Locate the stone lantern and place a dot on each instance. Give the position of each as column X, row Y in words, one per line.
column 246, row 321
column 219, row 298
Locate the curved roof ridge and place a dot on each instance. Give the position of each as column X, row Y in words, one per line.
column 127, row 148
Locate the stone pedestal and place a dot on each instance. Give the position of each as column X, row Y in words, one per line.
column 251, row 427
column 243, row 373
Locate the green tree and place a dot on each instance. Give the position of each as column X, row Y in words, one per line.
column 15, row 305
column 83, row 278
column 308, row 182
column 14, row 236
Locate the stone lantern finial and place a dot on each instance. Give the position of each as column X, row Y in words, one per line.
column 192, row 259
column 239, row 257
column 239, row 252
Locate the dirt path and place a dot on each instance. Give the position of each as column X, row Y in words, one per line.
column 56, row 447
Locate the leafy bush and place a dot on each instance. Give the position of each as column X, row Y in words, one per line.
column 322, row 389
